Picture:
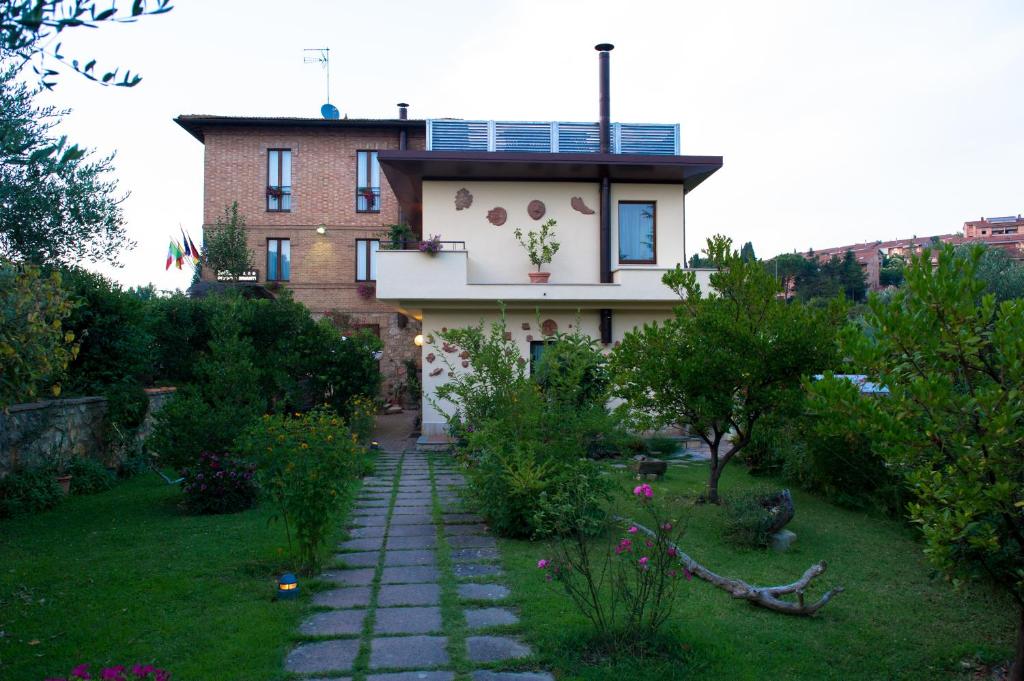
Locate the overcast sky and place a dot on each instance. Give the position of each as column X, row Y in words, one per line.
column 839, row 121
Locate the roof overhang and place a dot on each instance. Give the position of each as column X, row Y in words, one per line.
column 196, row 125
column 406, row 170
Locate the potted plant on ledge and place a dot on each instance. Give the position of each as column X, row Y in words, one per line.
column 541, row 247
column 431, row 246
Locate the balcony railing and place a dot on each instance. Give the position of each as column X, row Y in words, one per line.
column 367, row 199
column 414, row 245
column 550, row 137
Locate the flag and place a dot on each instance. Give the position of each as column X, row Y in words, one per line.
column 170, row 256
column 195, row 251
column 184, row 240
column 178, row 254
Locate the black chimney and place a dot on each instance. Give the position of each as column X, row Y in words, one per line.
column 605, row 120
column 403, row 111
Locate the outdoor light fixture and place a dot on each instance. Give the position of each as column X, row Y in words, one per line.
column 287, row 587
column 322, row 229
column 418, row 340
column 374, row 445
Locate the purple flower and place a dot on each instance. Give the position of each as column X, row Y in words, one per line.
column 667, row 527
column 633, row 530
column 81, row 672
column 142, row 671
column 113, row 673
column 643, row 490
column 672, row 551
column 543, row 563
column 643, row 562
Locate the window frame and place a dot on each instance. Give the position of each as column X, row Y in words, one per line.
column 538, row 343
column 654, row 232
column 369, row 260
column 280, row 176
column 279, row 240
column 370, row 154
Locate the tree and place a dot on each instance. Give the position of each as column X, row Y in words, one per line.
column 28, row 29
column 35, row 349
column 852, row 277
column 724, row 360
column 891, row 272
column 788, row 269
column 952, row 358
column 1002, row 277
column 226, row 245
column 747, row 252
column 56, row 205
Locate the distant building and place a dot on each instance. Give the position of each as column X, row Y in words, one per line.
column 994, row 226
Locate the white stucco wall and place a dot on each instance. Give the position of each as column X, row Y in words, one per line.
column 668, row 200
column 434, row 321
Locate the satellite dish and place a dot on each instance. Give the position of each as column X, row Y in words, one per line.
column 330, row 112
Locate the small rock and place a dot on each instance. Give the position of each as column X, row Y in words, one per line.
column 782, row 540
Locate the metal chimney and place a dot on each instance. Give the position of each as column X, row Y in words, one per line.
column 605, row 119
column 403, row 111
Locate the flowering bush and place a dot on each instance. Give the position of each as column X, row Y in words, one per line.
column 366, row 291
column 116, row 673
column 218, row 483
column 362, row 411
column 305, row 464
column 432, row 245
column 627, row 590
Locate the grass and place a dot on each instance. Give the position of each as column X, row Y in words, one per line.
column 124, row 577
column 896, row 619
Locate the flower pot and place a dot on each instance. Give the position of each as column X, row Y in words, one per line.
column 539, row 277
column 65, row 483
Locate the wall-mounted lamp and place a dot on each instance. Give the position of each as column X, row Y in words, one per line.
column 418, row 340
column 322, row 229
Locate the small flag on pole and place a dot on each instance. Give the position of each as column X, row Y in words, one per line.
column 184, row 240
column 195, row 251
column 170, row 256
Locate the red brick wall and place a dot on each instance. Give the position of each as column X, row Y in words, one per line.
column 323, row 193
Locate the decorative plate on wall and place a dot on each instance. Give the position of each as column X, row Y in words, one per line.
column 536, row 209
column 497, row 216
column 463, row 199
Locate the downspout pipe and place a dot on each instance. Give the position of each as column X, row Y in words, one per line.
column 403, row 144
column 604, row 124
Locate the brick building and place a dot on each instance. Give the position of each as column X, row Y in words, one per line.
column 315, row 204
column 994, row 226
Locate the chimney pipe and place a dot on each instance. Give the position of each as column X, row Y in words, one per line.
column 403, row 111
column 605, row 119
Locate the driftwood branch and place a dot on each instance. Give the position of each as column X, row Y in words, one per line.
column 764, row 596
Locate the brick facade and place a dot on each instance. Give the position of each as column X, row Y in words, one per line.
column 323, row 181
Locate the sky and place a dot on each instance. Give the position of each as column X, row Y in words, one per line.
column 838, row 121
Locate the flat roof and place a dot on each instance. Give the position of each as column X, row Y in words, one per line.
column 406, row 170
column 196, row 124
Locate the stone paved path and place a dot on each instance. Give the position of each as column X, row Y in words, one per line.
column 417, row 594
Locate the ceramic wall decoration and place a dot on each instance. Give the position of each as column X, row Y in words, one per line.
column 536, row 209
column 577, row 204
column 549, row 327
column 497, row 216
column 463, row 199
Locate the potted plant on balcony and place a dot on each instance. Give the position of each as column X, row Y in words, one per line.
column 541, row 247
column 431, row 246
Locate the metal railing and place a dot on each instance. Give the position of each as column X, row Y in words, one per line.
column 550, row 137
column 367, row 199
column 414, row 245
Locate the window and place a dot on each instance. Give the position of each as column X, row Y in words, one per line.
column 536, row 351
column 367, row 182
column 637, row 232
column 279, row 180
column 366, row 259
column 279, row 259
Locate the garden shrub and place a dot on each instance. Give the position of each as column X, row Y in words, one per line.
column 627, row 588
column 662, row 445
column 749, row 519
column 88, row 476
column 218, row 483
column 28, row 491
column 362, row 418
column 305, row 464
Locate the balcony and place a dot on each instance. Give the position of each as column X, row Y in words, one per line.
column 413, row 280
column 552, row 137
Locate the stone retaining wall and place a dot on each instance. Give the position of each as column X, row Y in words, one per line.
column 37, row 433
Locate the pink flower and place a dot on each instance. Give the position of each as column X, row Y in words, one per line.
column 142, row 671
column 687, row 574
column 667, row 527
column 649, row 543
column 672, row 573
column 643, row 562
column 81, row 672
column 543, row 563
column 162, row 675
column 633, row 530
column 624, row 545
column 672, row 551
column 113, row 673
column 643, row 490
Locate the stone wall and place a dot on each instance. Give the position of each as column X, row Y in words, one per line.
column 37, row 433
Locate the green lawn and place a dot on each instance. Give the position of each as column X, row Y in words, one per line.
column 895, row 620
column 125, row 577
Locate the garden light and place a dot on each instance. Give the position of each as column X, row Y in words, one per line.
column 418, row 340
column 374, row 445
column 287, row 587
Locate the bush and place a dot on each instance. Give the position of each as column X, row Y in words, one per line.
column 88, row 476
column 362, row 418
column 218, row 484
column 663, row 445
column 305, row 464
column 28, row 491
column 750, row 520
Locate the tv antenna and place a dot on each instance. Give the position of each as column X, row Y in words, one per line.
column 322, row 56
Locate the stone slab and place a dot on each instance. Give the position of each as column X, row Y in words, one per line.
column 370, row 520
column 410, row 557
column 334, row 623
column 455, row 530
column 453, row 518
column 364, row 559
column 481, row 618
column 418, row 509
column 407, row 620
column 380, row 502
column 418, row 519
column 421, row 542
column 418, row 530
column 357, row 577
column 471, row 569
column 475, row 554
column 413, row 676
column 495, row 648
column 362, row 544
column 361, row 532
column 391, row 595
column 322, row 656
column 487, row 675
column 349, row 597
column 410, row 574
column 483, row 592
column 472, row 542
column 408, row 652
